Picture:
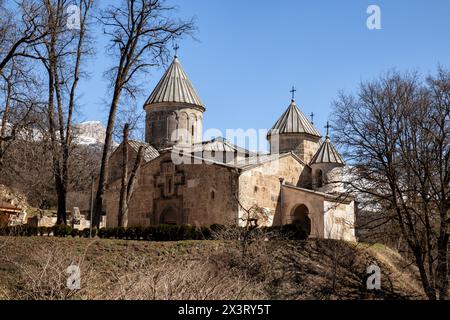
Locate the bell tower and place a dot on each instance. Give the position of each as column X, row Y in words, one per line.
column 174, row 111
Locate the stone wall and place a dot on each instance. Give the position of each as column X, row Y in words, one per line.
column 332, row 177
column 339, row 220
column 293, row 197
column 303, row 145
column 261, row 185
column 197, row 194
column 332, row 217
column 167, row 123
column 116, row 161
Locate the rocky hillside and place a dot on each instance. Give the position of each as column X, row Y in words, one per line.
column 89, row 133
column 35, row 268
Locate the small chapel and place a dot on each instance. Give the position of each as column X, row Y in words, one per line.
column 185, row 180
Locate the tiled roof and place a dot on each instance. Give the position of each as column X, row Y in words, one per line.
column 175, row 86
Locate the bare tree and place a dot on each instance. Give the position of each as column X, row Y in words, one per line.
column 21, row 27
column 61, row 54
column 139, row 32
column 396, row 132
column 19, row 103
column 128, row 184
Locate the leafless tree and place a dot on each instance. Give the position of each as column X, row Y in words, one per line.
column 396, row 134
column 19, row 102
column 139, row 33
column 21, row 27
column 128, row 184
column 61, row 53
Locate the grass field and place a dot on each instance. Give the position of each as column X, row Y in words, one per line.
column 35, row 268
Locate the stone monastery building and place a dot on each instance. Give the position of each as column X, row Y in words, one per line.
column 184, row 180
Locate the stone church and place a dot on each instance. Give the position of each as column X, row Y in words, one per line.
column 184, row 180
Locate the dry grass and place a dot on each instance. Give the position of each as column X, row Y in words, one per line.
column 35, row 268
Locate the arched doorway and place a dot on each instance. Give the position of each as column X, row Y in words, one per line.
column 168, row 216
column 300, row 217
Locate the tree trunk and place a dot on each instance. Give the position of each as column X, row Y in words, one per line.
column 4, row 121
column 132, row 183
column 124, row 186
column 428, row 288
column 442, row 258
column 105, row 158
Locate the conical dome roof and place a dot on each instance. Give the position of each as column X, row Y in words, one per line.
column 294, row 121
column 175, row 86
column 327, row 153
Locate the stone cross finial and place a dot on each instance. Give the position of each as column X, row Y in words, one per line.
column 176, row 47
column 328, row 128
column 293, row 92
column 312, row 117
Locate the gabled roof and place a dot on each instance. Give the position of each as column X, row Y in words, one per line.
column 327, row 153
column 150, row 153
column 294, row 121
column 258, row 160
column 175, row 86
column 219, row 144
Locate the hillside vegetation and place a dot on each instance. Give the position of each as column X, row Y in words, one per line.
column 35, row 268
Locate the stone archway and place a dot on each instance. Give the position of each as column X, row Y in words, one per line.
column 300, row 216
column 168, row 216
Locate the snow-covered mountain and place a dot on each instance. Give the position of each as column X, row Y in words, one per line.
column 89, row 133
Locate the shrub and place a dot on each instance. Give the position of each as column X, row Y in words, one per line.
column 120, row 233
column 102, row 233
column 147, row 233
column 44, row 231
column 28, row 231
column 293, row 232
column 217, row 227
column 87, row 231
column 133, row 233
column 75, row 233
column 61, row 230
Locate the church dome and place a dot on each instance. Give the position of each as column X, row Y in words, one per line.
column 294, row 121
column 327, row 153
column 175, row 87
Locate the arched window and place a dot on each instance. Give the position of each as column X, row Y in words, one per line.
column 319, row 178
column 213, row 194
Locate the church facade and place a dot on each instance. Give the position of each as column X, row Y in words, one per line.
column 184, row 180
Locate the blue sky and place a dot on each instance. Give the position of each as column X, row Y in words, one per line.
column 250, row 53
